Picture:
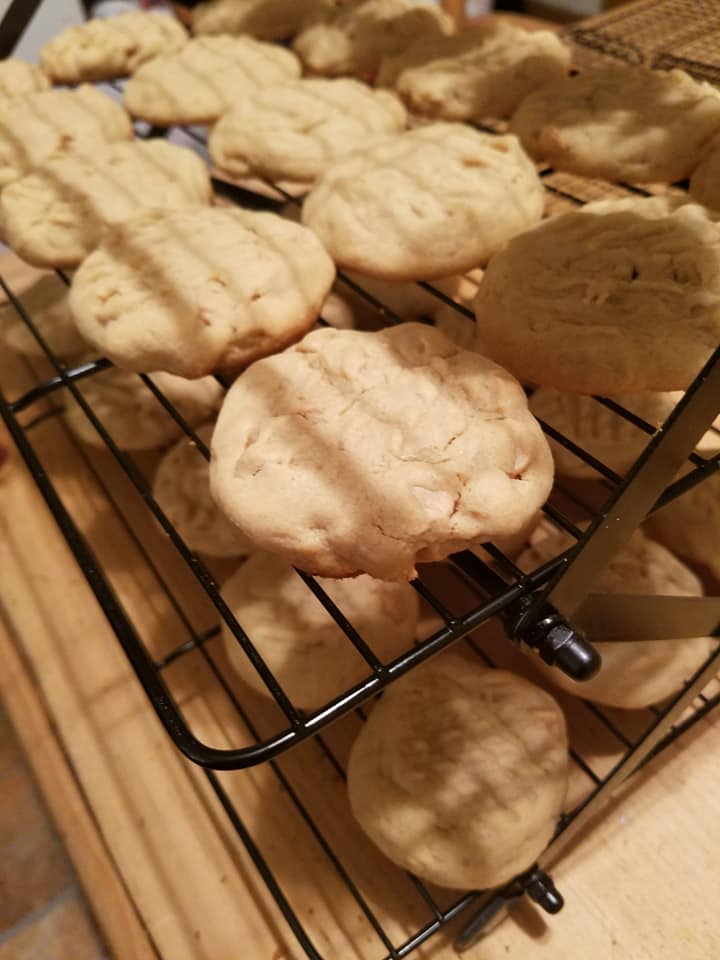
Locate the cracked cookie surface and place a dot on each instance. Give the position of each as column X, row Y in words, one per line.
column 370, row 452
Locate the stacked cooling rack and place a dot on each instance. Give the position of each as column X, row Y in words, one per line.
column 186, row 677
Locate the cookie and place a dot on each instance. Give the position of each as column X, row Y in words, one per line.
column 18, row 77
column 308, row 653
column 634, row 674
column 263, row 19
column 204, row 79
column 40, row 125
column 132, row 414
column 620, row 123
column 182, row 488
column 478, row 74
column 604, row 434
column 200, row 290
column 690, row 525
column 705, row 179
column 368, row 453
column 460, row 773
column 55, row 216
column 294, row 131
column 46, row 302
column 619, row 297
column 102, row 49
column 432, row 202
column 355, row 37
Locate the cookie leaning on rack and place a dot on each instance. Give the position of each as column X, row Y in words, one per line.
column 204, row 79
column 370, row 452
column 478, row 74
column 435, row 201
column 621, row 123
column 102, row 49
column 294, row 131
column 619, row 297
column 200, row 290
column 41, row 125
column 263, row 19
column 56, row 215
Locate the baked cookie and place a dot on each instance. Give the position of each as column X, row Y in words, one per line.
column 263, row 19
column 606, row 435
column 638, row 673
column 295, row 130
column 312, row 658
column 56, row 215
column 477, row 74
column 432, row 202
column 132, row 414
column 202, row 290
column 355, row 37
column 205, row 78
column 620, row 123
column 619, row 297
column 40, row 125
column 370, row 452
column 690, row 525
column 705, row 179
column 18, row 77
column 182, row 488
column 46, row 302
column 460, row 773
column 102, row 49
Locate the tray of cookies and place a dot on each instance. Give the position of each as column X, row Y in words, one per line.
column 397, row 334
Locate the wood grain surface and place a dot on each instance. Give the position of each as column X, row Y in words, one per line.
column 163, row 868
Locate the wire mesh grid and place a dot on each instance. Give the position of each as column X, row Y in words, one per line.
column 183, row 667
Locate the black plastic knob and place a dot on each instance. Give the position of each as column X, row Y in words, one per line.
column 557, row 643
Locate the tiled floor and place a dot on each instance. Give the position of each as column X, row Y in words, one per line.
column 43, row 915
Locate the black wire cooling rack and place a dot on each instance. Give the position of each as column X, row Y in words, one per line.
column 462, row 596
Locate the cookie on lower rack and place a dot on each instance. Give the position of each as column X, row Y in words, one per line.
column 640, row 673
column 608, row 436
column 619, row 297
column 56, row 215
column 37, row 127
column 182, row 488
column 435, row 201
column 358, row 452
column 478, row 74
column 309, row 654
column 294, row 131
column 201, row 290
column 46, row 303
column 18, row 77
column 133, row 415
column 460, row 773
column 690, row 525
column 356, row 36
column 263, row 19
column 109, row 47
column 621, row 123
column 198, row 83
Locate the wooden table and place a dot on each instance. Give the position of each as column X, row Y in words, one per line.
column 165, row 874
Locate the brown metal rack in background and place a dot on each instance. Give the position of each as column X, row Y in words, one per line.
column 462, row 594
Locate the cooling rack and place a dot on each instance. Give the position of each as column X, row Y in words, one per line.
column 462, row 596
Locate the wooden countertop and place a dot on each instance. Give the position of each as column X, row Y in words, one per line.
column 165, row 874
